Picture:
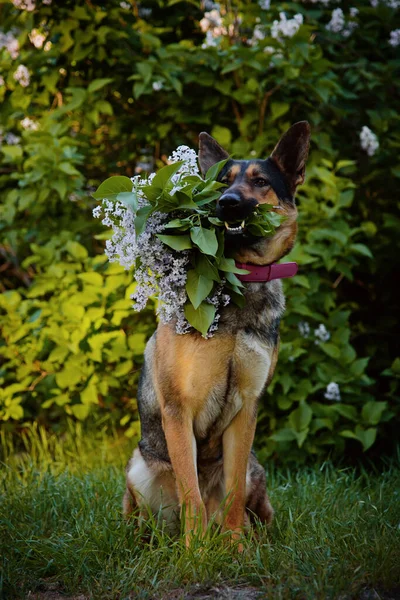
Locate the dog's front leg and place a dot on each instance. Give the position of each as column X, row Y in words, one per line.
column 181, row 443
column 237, row 442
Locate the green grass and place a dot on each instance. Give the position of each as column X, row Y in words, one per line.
column 336, row 532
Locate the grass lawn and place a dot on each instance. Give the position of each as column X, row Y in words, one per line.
column 335, row 535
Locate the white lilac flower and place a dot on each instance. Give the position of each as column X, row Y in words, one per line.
column 29, row 124
column 264, row 4
column 125, row 5
column 210, row 5
column 10, row 42
column 304, row 329
column 37, row 38
column 22, row 75
column 322, row 333
column 286, row 27
column 332, row 392
column 47, row 46
column 144, row 13
column 258, row 34
column 354, row 11
column 189, row 158
column 48, row 2
column 28, row 5
column 338, row 23
column 12, row 139
column 269, row 50
column 157, row 86
column 211, row 20
column 394, row 4
column 369, row 141
column 394, row 38
column 210, row 41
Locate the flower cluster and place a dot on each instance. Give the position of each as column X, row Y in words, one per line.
column 159, row 270
column 304, row 329
column 212, row 25
column 22, row 76
column 10, row 42
column 9, row 138
column 338, row 23
column 394, row 4
column 332, row 392
column 322, row 333
column 29, row 124
column 37, row 38
column 28, row 5
column 286, row 27
column 394, row 38
column 369, row 141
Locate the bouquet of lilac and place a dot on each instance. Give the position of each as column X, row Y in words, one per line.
column 165, row 226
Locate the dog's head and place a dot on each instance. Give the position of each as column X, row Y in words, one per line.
column 252, row 182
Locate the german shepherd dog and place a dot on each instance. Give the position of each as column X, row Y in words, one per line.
column 198, row 397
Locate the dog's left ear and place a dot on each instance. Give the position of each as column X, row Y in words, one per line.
column 210, row 152
column 291, row 152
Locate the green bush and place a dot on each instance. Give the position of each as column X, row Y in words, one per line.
column 112, row 90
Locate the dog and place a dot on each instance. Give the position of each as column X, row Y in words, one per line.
column 197, row 397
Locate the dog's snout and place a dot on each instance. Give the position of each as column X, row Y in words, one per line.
column 230, row 200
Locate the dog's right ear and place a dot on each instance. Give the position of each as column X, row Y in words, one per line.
column 210, row 152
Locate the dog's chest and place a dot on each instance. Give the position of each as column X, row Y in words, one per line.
column 246, row 374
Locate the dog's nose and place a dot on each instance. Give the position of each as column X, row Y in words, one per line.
column 230, row 200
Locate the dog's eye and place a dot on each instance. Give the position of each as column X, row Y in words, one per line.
column 260, row 182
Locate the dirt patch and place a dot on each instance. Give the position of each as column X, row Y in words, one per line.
column 197, row 592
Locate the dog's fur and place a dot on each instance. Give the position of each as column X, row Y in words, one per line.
column 198, row 398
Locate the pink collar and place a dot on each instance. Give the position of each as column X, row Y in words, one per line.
column 267, row 272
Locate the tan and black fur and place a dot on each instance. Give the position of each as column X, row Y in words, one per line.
column 198, row 398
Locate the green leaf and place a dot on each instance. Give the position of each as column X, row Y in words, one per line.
column 278, row 109
column 76, row 250
column 80, row 411
column 164, row 175
column 366, row 436
column 228, row 265
column 68, row 168
column 129, row 199
column 92, row 278
column 177, row 242
column 283, row 435
column 361, row 249
column 215, row 170
column 300, row 417
column 89, row 395
column 111, row 187
column 231, row 277
column 97, row 84
column 200, row 318
column 372, row 412
column 141, row 218
column 198, row 287
column 206, row 268
column 205, row 239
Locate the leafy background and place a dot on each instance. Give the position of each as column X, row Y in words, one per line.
column 113, row 89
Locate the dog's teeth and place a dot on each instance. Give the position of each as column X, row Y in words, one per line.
column 238, row 229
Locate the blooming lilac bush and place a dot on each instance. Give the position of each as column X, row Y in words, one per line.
column 113, row 92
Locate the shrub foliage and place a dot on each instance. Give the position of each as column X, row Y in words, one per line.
column 90, row 90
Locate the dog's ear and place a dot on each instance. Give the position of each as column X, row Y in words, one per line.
column 210, row 152
column 291, row 152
